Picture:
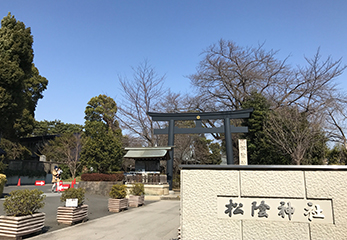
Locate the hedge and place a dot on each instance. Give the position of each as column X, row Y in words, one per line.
column 114, row 177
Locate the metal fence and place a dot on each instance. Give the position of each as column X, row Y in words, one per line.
column 146, row 178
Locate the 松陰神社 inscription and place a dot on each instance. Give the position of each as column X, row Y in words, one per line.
column 293, row 210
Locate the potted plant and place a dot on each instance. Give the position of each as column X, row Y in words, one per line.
column 118, row 202
column 3, row 180
column 74, row 210
column 137, row 197
column 22, row 216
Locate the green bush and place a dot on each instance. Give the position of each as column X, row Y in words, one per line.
column 3, row 180
column 114, row 177
column 3, row 166
column 118, row 191
column 74, row 193
column 137, row 189
column 66, row 171
column 23, row 202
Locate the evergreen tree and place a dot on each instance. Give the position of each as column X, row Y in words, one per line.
column 55, row 127
column 206, row 151
column 337, row 155
column 21, row 85
column 103, row 146
column 260, row 149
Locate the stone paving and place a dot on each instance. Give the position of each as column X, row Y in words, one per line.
column 143, row 217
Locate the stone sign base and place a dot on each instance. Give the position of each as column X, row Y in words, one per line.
column 263, row 202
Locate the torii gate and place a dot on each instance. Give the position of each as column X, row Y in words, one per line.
column 197, row 117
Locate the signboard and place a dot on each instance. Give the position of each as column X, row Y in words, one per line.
column 243, row 152
column 39, row 183
column 61, row 187
column 71, row 202
column 288, row 210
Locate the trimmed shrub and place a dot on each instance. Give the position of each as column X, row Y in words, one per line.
column 137, row 189
column 3, row 180
column 74, row 193
column 66, row 171
column 118, row 191
column 23, row 202
column 115, row 177
column 3, row 166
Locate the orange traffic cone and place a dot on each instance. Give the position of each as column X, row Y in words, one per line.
column 18, row 184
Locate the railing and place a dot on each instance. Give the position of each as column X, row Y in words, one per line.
column 146, row 178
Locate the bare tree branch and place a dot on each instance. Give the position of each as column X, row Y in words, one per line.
column 141, row 95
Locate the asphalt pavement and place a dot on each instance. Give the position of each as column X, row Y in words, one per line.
column 154, row 220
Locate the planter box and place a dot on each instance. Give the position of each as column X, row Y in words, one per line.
column 135, row 201
column 16, row 227
column 70, row 215
column 116, row 205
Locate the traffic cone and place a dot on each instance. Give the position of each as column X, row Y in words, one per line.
column 18, row 184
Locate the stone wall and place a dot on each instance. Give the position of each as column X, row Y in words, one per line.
column 100, row 188
column 103, row 188
column 299, row 202
column 13, row 180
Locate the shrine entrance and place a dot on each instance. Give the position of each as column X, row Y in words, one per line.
column 226, row 128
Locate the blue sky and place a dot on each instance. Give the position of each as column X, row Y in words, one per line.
column 82, row 46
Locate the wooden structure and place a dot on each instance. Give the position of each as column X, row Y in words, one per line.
column 147, row 159
column 227, row 129
column 117, row 205
column 151, row 179
column 135, row 201
column 70, row 215
column 16, row 227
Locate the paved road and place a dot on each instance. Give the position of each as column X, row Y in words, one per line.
column 155, row 220
column 97, row 205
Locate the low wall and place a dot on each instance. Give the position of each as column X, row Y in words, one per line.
column 100, row 188
column 154, row 190
column 28, row 180
column 263, row 202
column 103, row 188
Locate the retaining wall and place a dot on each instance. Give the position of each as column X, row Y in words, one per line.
column 103, row 188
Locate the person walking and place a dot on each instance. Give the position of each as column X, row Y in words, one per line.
column 55, row 179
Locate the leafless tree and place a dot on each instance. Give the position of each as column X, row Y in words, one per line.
column 141, row 94
column 337, row 124
column 292, row 132
column 65, row 149
column 228, row 74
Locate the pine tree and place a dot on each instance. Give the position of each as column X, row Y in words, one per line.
column 103, row 145
column 260, row 150
column 21, row 85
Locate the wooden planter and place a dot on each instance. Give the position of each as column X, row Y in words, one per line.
column 135, row 201
column 70, row 215
column 116, row 205
column 16, row 227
